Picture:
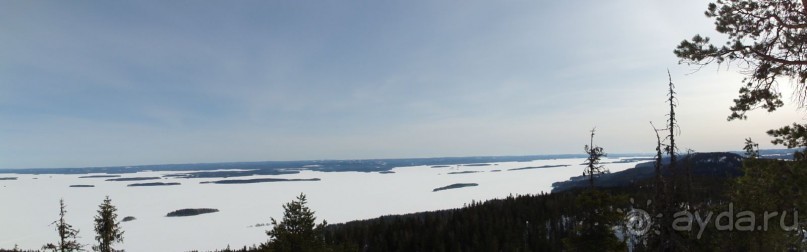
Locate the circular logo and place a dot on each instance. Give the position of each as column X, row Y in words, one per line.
column 638, row 222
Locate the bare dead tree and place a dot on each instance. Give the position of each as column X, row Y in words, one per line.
column 672, row 126
column 659, row 181
column 662, row 192
column 671, row 187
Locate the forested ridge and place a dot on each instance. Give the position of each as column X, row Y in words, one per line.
column 541, row 222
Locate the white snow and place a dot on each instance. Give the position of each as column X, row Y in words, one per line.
column 28, row 206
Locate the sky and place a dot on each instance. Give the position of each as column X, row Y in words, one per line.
column 107, row 83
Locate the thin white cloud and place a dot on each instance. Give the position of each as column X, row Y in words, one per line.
column 141, row 83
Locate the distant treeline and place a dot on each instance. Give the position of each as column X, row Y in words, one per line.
column 288, row 167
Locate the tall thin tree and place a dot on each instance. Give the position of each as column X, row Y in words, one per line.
column 67, row 234
column 672, row 126
column 674, row 196
column 658, row 165
column 595, row 153
column 671, row 192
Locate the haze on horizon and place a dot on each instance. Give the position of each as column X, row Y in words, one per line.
column 100, row 83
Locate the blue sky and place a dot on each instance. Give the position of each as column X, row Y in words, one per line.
column 97, row 83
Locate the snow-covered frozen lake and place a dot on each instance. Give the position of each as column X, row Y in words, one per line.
column 31, row 203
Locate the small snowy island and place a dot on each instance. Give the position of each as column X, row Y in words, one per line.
column 258, row 180
column 154, row 184
column 191, row 212
column 133, row 179
column 454, row 186
column 82, row 186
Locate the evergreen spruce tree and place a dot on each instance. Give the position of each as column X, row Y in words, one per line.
column 298, row 231
column 594, row 231
column 67, row 234
column 107, row 227
column 595, row 153
column 751, row 149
